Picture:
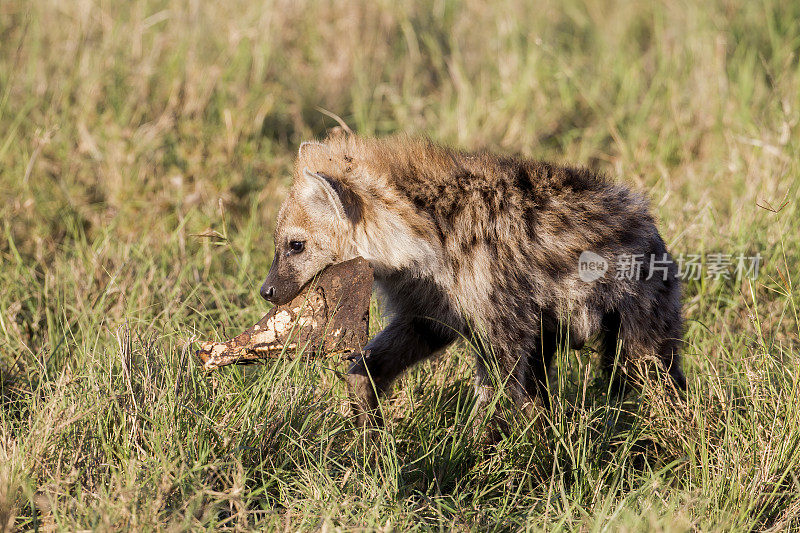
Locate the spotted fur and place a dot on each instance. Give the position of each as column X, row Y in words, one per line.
column 479, row 246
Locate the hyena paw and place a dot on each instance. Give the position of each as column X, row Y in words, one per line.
column 363, row 393
column 487, row 428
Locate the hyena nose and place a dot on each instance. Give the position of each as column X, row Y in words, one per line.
column 267, row 292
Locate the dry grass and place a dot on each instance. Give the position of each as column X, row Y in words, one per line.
column 145, row 147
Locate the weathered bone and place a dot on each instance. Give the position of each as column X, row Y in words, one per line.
column 330, row 316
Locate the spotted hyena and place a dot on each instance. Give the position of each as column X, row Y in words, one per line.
column 480, row 246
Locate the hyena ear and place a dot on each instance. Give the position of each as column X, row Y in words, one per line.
column 323, row 189
column 312, row 148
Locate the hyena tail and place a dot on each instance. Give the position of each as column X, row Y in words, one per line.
column 638, row 343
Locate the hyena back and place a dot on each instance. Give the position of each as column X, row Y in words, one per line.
column 473, row 242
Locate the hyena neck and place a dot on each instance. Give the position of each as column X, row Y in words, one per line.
column 389, row 232
column 390, row 245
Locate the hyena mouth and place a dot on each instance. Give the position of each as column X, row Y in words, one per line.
column 330, row 316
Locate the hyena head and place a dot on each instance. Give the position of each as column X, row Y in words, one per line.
column 315, row 223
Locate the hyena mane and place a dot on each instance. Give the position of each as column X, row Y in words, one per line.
column 480, row 246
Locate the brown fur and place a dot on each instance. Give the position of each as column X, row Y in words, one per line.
column 481, row 246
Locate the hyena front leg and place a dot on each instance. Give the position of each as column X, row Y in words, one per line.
column 407, row 340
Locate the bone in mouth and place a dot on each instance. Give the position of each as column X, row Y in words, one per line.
column 330, row 316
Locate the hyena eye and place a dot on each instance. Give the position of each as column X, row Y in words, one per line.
column 297, row 246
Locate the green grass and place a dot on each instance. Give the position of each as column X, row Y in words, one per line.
column 145, row 147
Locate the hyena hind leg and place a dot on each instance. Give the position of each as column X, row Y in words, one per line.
column 612, row 356
column 404, row 342
column 539, row 360
column 670, row 355
column 522, row 377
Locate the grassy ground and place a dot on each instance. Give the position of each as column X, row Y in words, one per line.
column 145, row 147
